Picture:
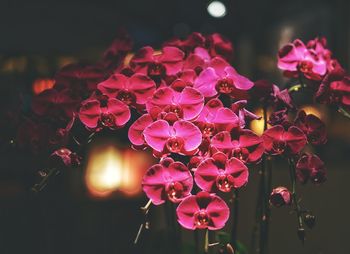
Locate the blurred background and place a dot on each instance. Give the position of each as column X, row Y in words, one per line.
column 96, row 209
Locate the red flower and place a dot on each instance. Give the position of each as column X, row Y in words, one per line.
column 182, row 137
column 248, row 147
column 55, row 103
column 111, row 113
column 64, row 157
column 186, row 105
column 130, row 90
column 82, row 79
column 192, row 41
column 168, row 62
column 312, row 126
column 310, row 167
column 278, row 141
column 295, row 57
column 220, row 77
column 221, row 173
column 218, row 45
column 168, row 180
column 202, row 211
column 215, row 118
column 280, row 196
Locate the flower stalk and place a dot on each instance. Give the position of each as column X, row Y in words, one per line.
column 301, row 230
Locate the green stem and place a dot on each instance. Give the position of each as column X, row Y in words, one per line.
column 264, row 192
column 46, row 176
column 206, row 241
column 294, row 194
column 345, row 113
column 235, row 209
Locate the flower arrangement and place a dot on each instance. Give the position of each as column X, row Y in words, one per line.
column 192, row 109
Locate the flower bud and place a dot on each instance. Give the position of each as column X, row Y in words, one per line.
column 64, row 158
column 280, row 196
column 309, row 220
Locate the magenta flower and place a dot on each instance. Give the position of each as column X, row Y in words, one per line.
column 278, row 141
column 64, row 157
column 149, row 62
column 295, row 57
column 130, row 90
column 221, row 173
column 219, row 46
column 248, row 147
column 182, row 137
column 202, row 211
column 312, row 126
column 111, row 113
column 135, row 132
column 221, row 78
column 244, row 115
column 184, row 79
column 310, row 167
column 215, row 118
column 280, row 196
column 341, row 90
column 198, row 60
column 186, row 105
column 168, row 180
column 79, row 78
column 194, row 40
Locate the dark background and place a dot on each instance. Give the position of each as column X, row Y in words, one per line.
column 37, row 37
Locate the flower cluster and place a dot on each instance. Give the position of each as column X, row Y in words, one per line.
column 190, row 108
column 315, row 67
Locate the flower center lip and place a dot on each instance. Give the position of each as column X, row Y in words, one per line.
column 156, row 69
column 224, row 86
column 305, row 66
column 175, row 191
column 107, row 119
column 241, row 154
column 126, row 97
column 201, row 219
column 177, row 110
column 208, row 129
column 279, row 146
column 224, row 182
column 175, row 144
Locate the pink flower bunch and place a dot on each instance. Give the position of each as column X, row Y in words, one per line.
column 188, row 106
column 313, row 64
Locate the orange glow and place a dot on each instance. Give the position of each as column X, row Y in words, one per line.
column 128, row 58
column 313, row 110
column 112, row 170
column 41, row 85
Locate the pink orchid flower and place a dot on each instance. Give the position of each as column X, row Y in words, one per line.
column 111, row 113
column 130, row 90
column 221, row 78
column 186, row 105
column 168, row 180
column 215, row 118
column 248, row 147
column 296, row 57
column 201, row 211
column 198, row 60
column 168, row 62
column 278, row 141
column 310, row 167
column 312, row 126
column 221, row 173
column 182, row 137
column 56, row 103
